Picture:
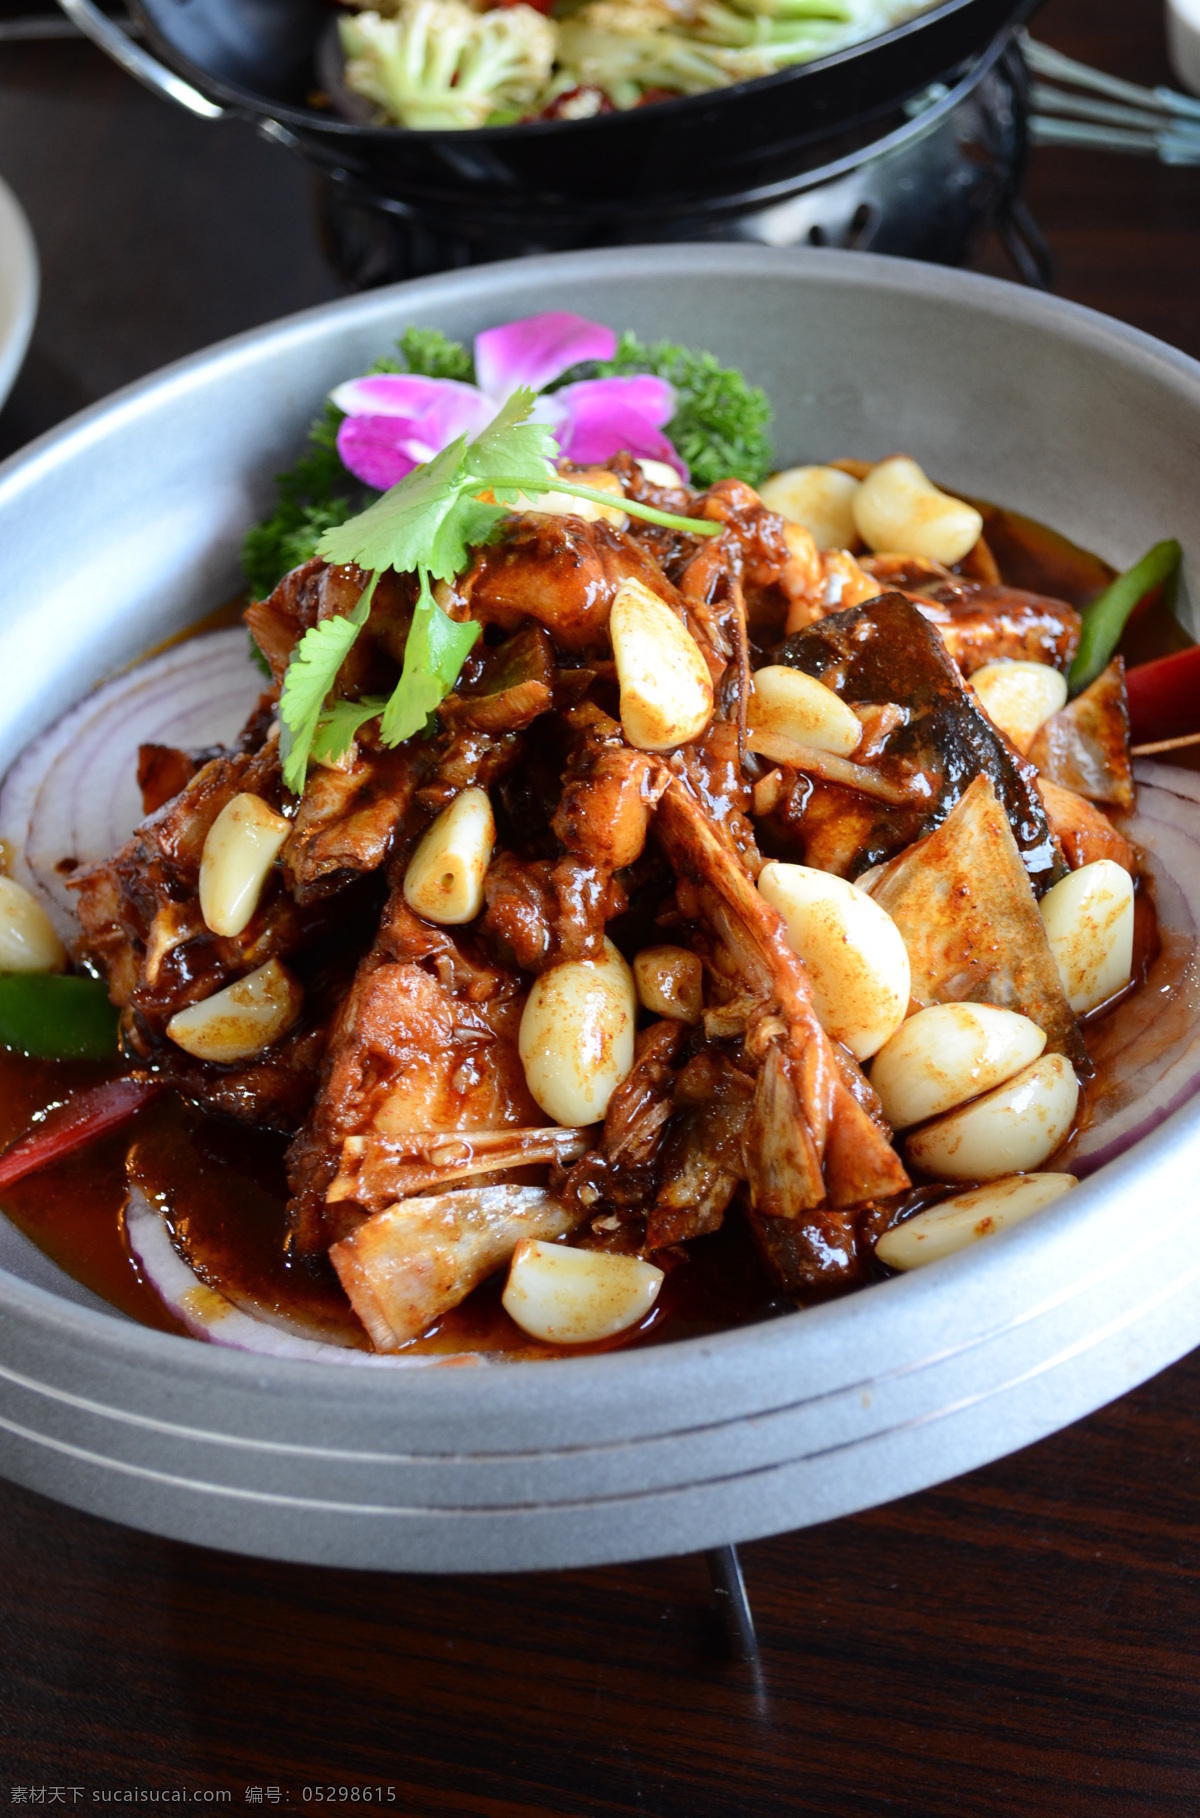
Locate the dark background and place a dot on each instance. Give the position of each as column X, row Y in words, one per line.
column 1024, row 1641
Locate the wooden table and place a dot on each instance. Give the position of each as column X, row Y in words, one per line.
column 1024, row 1641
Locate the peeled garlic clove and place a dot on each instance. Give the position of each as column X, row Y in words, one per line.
column 577, row 1034
column 1010, row 1130
column 897, row 508
column 967, row 1217
column 28, row 940
column 659, row 473
column 577, row 1297
column 242, row 845
column 666, row 690
column 1019, row 697
column 1089, row 923
column 792, row 705
column 238, row 1023
column 949, row 1054
column 820, row 498
column 444, row 880
column 670, row 982
column 852, row 949
column 562, row 505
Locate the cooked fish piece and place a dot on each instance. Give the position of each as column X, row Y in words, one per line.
column 966, row 910
column 982, row 621
column 561, row 572
column 413, row 1261
column 838, row 1154
column 887, row 652
column 541, row 912
column 317, row 591
column 1083, row 830
column 349, row 816
column 506, row 688
column 608, row 792
column 703, row 1159
column 1085, row 747
column 385, row 1165
column 425, row 1042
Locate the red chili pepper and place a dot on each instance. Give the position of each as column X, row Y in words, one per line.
column 76, row 1124
column 1164, row 697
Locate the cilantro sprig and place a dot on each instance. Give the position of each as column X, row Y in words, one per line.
column 426, row 525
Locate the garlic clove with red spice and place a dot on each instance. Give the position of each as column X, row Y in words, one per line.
column 899, row 510
column 852, row 949
column 444, row 879
column 795, row 707
column 576, row 1037
column 945, row 1056
column 820, row 498
column 241, row 847
column 1089, row 923
column 968, row 1217
column 28, row 940
column 670, row 982
column 240, row 1022
column 577, row 1297
column 1012, row 1129
column 666, row 690
column 1019, row 697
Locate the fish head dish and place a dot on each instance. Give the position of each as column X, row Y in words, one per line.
column 130, row 521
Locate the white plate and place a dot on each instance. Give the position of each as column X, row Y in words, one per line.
column 18, row 287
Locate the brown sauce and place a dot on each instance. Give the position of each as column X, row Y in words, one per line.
column 222, row 1186
column 223, row 1191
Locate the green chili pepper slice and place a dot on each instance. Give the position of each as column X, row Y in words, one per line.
column 53, row 1017
column 1107, row 616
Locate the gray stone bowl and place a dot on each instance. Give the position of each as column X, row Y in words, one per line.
column 125, row 524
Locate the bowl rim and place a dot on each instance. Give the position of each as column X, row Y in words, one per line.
column 997, row 1267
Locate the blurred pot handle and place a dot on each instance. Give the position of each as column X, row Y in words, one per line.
column 146, row 69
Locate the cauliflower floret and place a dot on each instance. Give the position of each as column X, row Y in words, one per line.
column 627, row 49
column 439, row 63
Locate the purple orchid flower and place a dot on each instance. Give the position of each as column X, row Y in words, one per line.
column 394, row 421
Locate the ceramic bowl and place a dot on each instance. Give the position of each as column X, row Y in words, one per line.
column 124, row 526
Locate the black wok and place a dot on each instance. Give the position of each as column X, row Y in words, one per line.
column 256, row 58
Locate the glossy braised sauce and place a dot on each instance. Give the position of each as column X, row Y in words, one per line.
column 222, row 1185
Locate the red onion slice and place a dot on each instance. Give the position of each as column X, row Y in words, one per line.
column 1148, row 1051
column 209, row 1314
column 73, row 793
column 1185, row 783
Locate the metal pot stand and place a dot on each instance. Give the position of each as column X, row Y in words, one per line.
column 911, row 143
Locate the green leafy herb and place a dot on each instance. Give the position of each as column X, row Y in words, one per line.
column 425, row 525
column 318, row 493
column 314, row 495
column 419, row 523
column 428, row 352
column 57, row 1018
column 721, row 422
column 1106, row 618
column 341, row 724
column 436, row 650
column 311, row 674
